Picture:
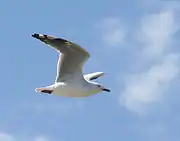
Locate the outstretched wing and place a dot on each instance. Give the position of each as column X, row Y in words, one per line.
column 71, row 59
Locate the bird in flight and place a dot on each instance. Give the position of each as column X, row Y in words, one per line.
column 70, row 81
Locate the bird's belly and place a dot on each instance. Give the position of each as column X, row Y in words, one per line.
column 71, row 92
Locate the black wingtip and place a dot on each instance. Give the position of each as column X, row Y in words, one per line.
column 35, row 35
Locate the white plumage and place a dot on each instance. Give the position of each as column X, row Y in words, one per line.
column 70, row 81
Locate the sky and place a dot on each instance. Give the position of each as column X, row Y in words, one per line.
column 135, row 43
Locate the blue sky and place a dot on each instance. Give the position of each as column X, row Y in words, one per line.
column 136, row 44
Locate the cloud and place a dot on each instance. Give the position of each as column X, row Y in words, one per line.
column 41, row 138
column 9, row 137
column 156, row 32
column 113, row 32
column 147, row 87
column 6, row 137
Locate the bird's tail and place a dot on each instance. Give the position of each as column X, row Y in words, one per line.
column 44, row 90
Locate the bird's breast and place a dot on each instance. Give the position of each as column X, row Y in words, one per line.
column 71, row 90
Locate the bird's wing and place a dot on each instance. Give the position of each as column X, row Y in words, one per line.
column 93, row 76
column 71, row 59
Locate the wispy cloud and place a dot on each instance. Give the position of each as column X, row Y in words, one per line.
column 112, row 31
column 41, row 138
column 147, row 87
column 156, row 32
column 6, row 137
column 9, row 137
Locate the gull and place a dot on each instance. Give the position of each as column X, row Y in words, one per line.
column 70, row 81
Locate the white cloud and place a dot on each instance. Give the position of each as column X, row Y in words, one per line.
column 41, row 138
column 156, row 32
column 113, row 32
column 9, row 137
column 6, row 137
column 148, row 87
